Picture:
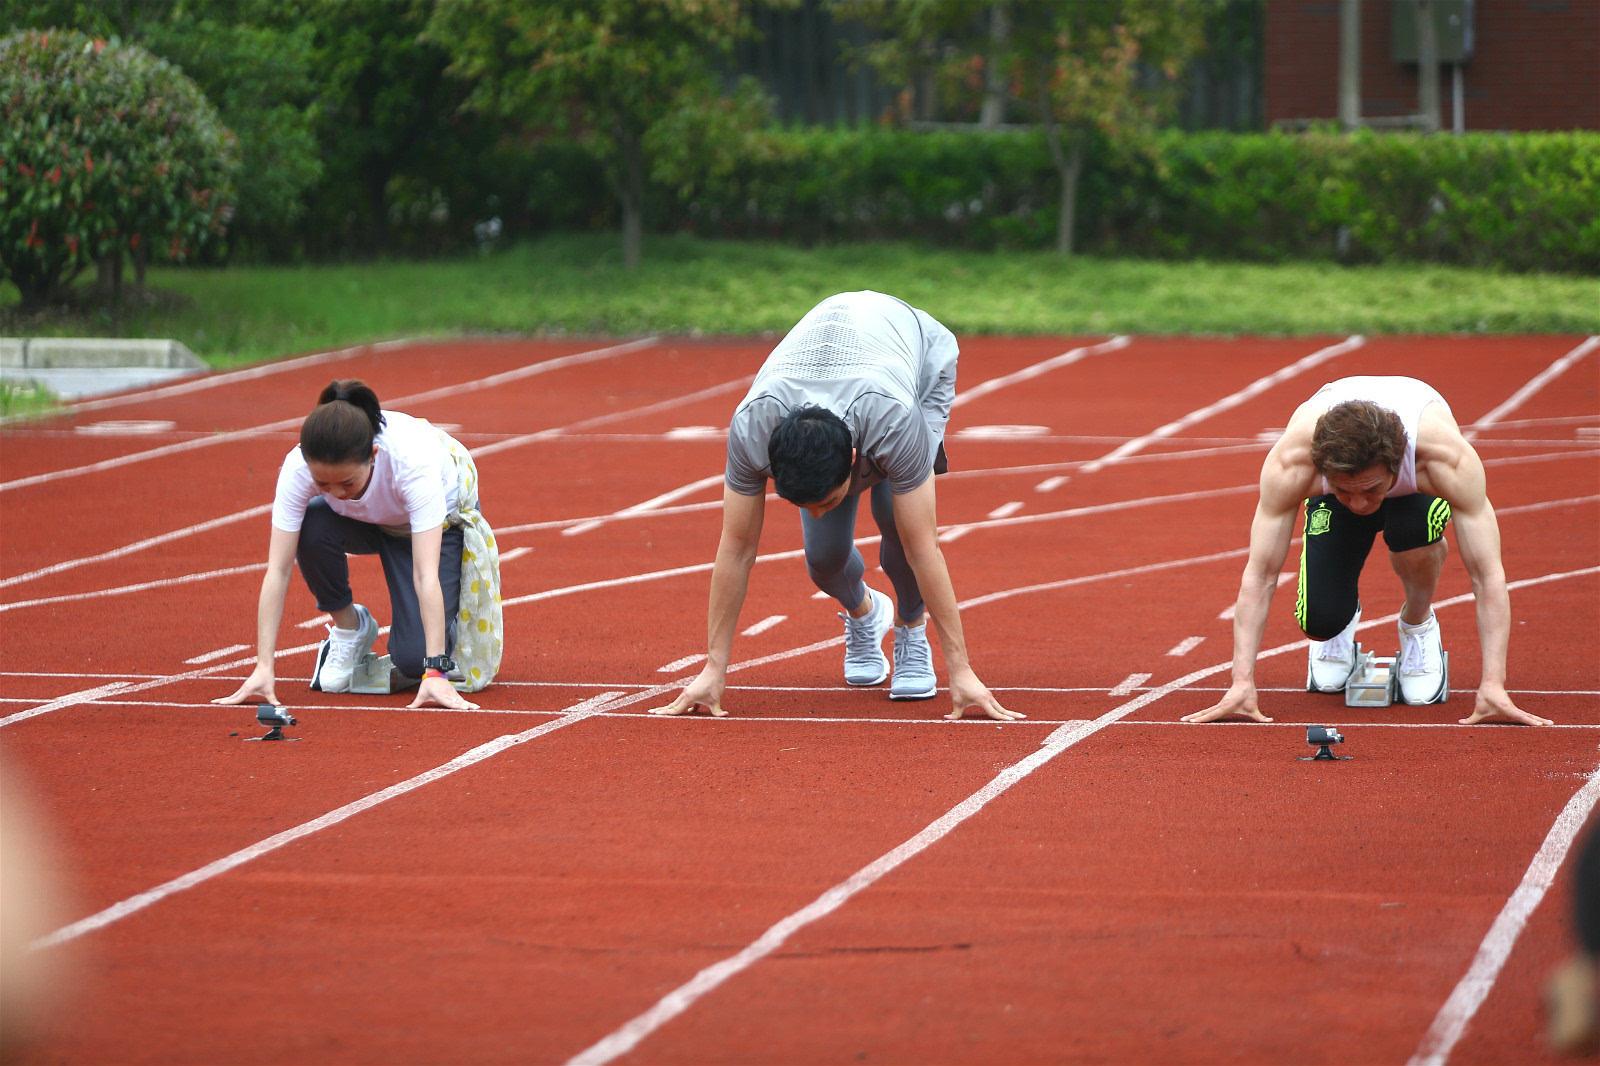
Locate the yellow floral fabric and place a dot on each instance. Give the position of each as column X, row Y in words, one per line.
column 479, row 619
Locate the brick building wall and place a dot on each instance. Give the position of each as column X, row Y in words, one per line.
column 1535, row 65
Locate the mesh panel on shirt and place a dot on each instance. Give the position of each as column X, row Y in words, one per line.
column 829, row 349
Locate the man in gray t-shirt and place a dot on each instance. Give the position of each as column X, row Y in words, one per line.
column 854, row 400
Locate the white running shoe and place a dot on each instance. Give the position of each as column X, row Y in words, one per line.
column 913, row 665
column 336, row 657
column 864, row 661
column 1331, row 662
column 1421, row 666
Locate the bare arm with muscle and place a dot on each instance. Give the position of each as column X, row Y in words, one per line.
column 1286, row 478
column 915, row 518
column 1448, row 466
column 742, row 517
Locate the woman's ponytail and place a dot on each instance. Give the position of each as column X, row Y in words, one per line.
column 343, row 426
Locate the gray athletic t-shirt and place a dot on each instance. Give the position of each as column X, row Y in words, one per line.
column 886, row 368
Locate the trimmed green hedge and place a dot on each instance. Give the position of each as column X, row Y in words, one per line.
column 1523, row 201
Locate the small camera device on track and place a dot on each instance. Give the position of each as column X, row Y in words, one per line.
column 276, row 717
column 1319, row 737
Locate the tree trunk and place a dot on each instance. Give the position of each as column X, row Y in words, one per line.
column 1069, row 165
column 1349, row 63
column 630, row 191
column 994, row 76
column 141, row 259
column 108, row 276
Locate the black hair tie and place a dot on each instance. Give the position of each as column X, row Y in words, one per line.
column 341, row 394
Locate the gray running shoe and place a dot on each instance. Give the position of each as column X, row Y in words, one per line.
column 913, row 665
column 864, row 661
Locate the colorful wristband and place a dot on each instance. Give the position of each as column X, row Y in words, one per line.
column 432, row 673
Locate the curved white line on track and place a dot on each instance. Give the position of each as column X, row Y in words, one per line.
column 1539, row 381
column 1028, row 373
column 628, row 1036
column 1451, row 1021
column 557, row 363
column 1250, row 391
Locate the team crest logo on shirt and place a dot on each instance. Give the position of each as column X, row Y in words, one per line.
column 1318, row 521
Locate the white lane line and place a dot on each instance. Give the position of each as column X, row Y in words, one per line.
column 576, row 713
column 73, row 699
column 1250, row 391
column 1027, row 373
column 954, row 533
column 629, row 1035
column 1050, row 484
column 1006, row 510
column 615, row 416
column 679, row 664
column 513, row 553
column 1130, row 684
column 213, row 380
column 648, row 506
column 312, row 623
column 820, row 595
column 766, row 624
column 530, row 370
column 144, row 586
column 1470, row 992
column 219, row 653
column 1186, row 645
column 1539, row 381
column 139, row 545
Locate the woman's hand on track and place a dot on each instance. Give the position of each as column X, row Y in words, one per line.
column 437, row 690
column 1493, row 701
column 257, row 688
column 1240, row 700
column 704, row 691
column 967, row 693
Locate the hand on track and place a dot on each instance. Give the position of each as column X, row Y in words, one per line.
column 1493, row 701
column 967, row 693
column 1240, row 700
column 257, row 688
column 704, row 691
column 437, row 690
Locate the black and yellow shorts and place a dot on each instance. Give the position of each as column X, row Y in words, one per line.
column 1337, row 543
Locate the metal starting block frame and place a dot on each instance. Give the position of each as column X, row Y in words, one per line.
column 1372, row 683
column 374, row 675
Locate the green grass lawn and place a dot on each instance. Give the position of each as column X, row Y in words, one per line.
column 576, row 284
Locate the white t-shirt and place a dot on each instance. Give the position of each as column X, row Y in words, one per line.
column 1406, row 397
column 885, row 367
column 413, row 484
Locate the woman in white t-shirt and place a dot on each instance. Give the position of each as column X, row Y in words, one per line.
column 363, row 481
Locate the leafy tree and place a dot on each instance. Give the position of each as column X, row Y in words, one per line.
column 252, row 59
column 608, row 71
column 1086, row 71
column 103, row 148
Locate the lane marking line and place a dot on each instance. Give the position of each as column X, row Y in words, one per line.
column 1006, row 510
column 1539, row 381
column 1050, row 484
column 766, row 624
column 648, row 506
column 558, row 363
column 1250, row 391
column 628, row 1036
column 1130, row 684
column 679, row 664
column 1452, row 1020
column 1028, row 373
column 139, row 545
column 1186, row 645
column 219, row 653
column 143, row 586
column 576, row 713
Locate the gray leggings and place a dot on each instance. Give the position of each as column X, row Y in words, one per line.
column 327, row 536
column 836, row 567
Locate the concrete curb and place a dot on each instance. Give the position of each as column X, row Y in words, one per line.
column 74, row 367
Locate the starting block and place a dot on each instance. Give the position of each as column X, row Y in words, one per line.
column 375, row 675
column 1372, row 683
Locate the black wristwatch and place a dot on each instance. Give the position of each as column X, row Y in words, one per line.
column 442, row 663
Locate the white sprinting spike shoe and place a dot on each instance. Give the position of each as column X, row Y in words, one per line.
column 864, row 661
column 1422, row 666
column 336, row 656
column 1332, row 661
column 913, row 665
